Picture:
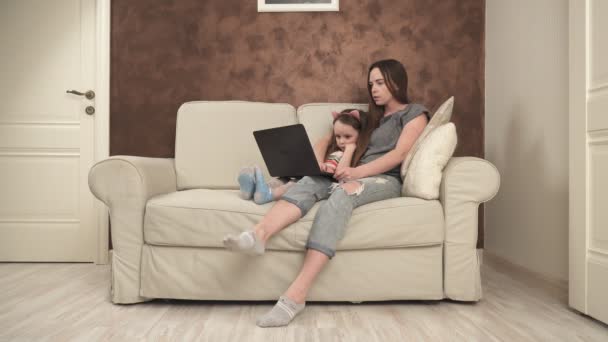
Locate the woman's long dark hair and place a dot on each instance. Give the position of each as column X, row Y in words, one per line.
column 395, row 78
column 362, row 126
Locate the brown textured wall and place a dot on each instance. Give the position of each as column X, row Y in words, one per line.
column 169, row 52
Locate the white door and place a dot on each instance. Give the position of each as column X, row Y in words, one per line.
column 588, row 283
column 46, row 139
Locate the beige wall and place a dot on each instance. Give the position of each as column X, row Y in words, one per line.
column 527, row 132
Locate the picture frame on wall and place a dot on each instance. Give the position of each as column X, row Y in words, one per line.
column 298, row 5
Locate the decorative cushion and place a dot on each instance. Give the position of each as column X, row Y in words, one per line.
column 441, row 117
column 424, row 175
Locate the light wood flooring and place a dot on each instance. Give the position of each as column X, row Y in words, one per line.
column 65, row 302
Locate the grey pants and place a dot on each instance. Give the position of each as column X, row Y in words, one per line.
column 329, row 225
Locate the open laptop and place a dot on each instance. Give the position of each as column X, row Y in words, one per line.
column 287, row 152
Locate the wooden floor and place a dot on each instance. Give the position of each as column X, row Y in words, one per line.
column 64, row 302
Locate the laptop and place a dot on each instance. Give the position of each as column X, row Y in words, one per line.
column 287, row 152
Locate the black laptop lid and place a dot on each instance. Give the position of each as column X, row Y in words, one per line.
column 287, row 151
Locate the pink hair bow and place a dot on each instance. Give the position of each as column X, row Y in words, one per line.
column 354, row 113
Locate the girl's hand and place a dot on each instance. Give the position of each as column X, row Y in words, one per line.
column 348, row 174
column 350, row 147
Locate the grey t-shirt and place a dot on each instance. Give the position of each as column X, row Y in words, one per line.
column 385, row 137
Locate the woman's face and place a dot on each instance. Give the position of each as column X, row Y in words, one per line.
column 380, row 93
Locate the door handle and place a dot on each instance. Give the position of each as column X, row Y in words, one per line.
column 89, row 94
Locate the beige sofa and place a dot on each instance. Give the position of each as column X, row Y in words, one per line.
column 168, row 218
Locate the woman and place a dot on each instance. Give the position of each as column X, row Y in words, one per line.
column 396, row 125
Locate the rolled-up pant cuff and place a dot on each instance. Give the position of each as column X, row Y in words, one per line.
column 296, row 203
column 317, row 247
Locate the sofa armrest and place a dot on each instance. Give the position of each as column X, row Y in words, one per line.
column 467, row 182
column 124, row 184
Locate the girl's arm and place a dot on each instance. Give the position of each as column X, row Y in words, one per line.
column 387, row 162
column 347, row 157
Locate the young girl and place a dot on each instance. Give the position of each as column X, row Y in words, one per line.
column 347, row 126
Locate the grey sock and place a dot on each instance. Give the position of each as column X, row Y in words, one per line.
column 281, row 314
column 245, row 242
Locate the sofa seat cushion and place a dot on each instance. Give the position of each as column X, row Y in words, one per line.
column 202, row 217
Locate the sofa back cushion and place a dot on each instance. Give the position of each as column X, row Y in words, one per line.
column 317, row 119
column 214, row 140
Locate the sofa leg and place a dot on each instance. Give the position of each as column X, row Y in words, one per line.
column 124, row 281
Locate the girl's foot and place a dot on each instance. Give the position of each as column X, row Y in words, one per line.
column 262, row 193
column 247, row 182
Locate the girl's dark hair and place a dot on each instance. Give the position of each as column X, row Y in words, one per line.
column 395, row 78
column 362, row 126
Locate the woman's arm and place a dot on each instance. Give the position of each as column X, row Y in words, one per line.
column 408, row 137
column 321, row 147
column 387, row 162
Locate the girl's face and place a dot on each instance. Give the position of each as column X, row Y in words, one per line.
column 345, row 134
column 379, row 91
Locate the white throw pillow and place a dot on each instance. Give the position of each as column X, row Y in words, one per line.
column 424, row 174
column 441, row 117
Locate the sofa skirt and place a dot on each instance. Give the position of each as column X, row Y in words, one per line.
column 352, row 275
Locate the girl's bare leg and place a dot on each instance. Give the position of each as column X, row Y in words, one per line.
column 278, row 191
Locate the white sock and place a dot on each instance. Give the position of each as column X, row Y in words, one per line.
column 245, row 242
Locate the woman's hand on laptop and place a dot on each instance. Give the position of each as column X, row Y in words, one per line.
column 323, row 167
